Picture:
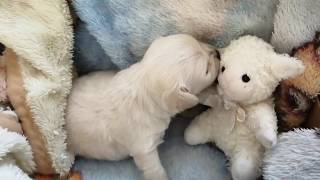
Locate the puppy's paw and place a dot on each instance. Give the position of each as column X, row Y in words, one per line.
column 158, row 175
column 267, row 138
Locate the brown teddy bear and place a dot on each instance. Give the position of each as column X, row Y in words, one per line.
column 295, row 97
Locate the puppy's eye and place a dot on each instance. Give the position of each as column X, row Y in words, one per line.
column 245, row 78
column 208, row 67
column 184, row 89
column 223, row 68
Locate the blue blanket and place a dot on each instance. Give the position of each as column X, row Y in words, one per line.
column 121, row 30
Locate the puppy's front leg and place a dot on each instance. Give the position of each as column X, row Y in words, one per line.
column 151, row 166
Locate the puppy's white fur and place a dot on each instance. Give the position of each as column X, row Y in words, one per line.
column 114, row 115
column 243, row 130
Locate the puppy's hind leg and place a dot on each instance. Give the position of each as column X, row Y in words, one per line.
column 151, row 166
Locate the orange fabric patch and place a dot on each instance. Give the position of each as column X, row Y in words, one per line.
column 17, row 97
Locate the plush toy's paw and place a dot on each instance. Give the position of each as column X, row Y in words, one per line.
column 267, row 138
column 212, row 101
column 194, row 135
column 245, row 168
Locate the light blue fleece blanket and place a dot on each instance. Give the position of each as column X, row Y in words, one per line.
column 121, row 30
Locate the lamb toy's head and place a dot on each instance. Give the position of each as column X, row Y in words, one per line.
column 250, row 70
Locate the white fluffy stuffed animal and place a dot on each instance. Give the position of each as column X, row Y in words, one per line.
column 112, row 116
column 242, row 120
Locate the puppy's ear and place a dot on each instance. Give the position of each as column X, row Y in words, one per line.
column 181, row 99
column 284, row 67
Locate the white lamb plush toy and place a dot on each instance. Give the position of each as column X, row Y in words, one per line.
column 242, row 120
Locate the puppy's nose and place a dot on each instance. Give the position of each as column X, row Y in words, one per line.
column 218, row 55
column 216, row 81
column 2, row 48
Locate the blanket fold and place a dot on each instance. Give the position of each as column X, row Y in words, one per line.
column 40, row 35
column 15, row 153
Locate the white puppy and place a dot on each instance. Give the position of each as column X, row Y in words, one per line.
column 115, row 115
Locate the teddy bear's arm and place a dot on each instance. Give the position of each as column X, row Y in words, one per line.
column 263, row 122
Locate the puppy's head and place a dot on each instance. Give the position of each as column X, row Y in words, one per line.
column 181, row 67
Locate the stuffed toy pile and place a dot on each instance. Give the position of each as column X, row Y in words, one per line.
column 39, row 47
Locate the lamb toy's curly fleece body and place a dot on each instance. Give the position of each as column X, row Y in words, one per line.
column 242, row 121
column 126, row 114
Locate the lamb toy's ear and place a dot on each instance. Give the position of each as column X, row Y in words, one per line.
column 284, row 66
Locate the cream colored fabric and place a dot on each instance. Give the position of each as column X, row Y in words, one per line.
column 15, row 153
column 39, row 32
column 10, row 122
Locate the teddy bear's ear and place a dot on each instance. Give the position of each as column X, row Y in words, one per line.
column 181, row 99
column 284, row 67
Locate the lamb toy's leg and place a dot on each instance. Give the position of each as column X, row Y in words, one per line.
column 246, row 162
column 262, row 121
column 151, row 166
column 198, row 131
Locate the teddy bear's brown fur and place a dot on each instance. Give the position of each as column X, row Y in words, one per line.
column 295, row 97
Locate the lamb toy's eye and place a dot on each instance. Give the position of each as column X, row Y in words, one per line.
column 245, row 78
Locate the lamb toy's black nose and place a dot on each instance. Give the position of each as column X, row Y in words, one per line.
column 2, row 48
